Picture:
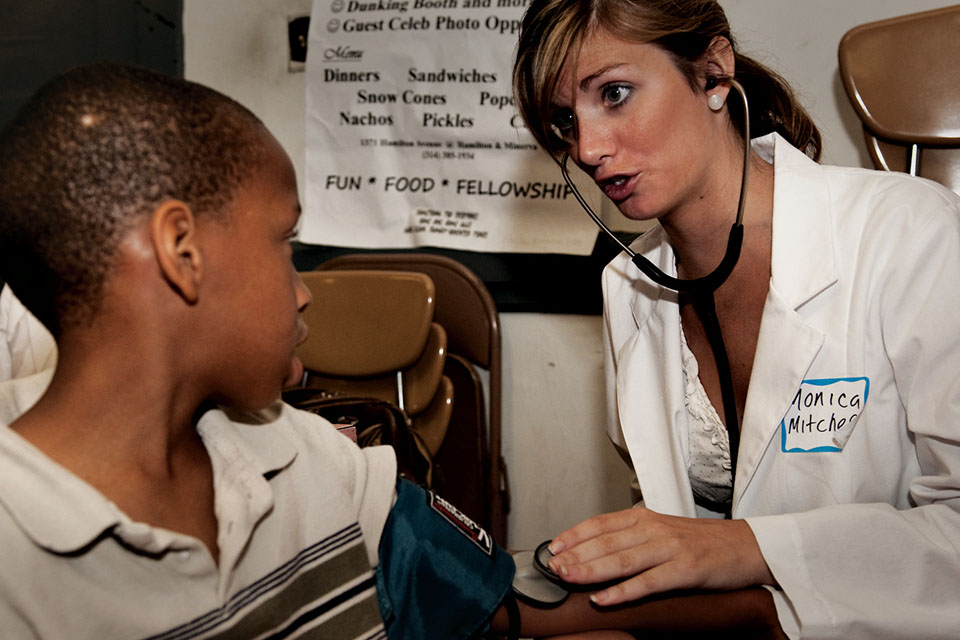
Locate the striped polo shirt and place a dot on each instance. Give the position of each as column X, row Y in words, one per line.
column 300, row 511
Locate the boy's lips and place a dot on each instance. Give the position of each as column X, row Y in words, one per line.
column 295, row 375
column 303, row 331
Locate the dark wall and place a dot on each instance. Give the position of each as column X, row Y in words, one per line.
column 40, row 38
column 518, row 282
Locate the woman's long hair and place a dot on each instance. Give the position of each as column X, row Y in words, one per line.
column 553, row 32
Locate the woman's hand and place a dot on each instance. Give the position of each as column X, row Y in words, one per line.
column 659, row 553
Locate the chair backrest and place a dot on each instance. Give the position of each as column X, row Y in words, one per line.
column 466, row 310
column 380, row 321
column 903, row 81
column 372, row 334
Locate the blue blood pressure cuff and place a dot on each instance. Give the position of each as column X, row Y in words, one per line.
column 440, row 574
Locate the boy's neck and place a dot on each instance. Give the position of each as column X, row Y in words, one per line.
column 120, row 414
column 125, row 399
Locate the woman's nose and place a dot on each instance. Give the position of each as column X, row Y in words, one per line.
column 594, row 142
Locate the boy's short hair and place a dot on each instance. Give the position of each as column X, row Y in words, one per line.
column 92, row 151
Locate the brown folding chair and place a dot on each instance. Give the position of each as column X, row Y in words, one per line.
column 372, row 334
column 903, row 80
column 475, row 474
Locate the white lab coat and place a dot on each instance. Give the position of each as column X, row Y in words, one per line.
column 865, row 283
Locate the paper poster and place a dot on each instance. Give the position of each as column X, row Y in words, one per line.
column 413, row 138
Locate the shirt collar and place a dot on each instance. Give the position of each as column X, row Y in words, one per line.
column 55, row 508
column 229, row 434
column 19, row 394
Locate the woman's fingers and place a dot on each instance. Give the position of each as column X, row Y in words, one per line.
column 593, row 527
column 604, row 559
column 657, row 553
column 658, row 579
column 604, row 547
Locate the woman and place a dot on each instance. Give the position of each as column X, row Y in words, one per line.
column 840, row 320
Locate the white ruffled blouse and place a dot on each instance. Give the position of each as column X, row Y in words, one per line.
column 709, row 468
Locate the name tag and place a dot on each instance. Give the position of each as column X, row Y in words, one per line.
column 822, row 414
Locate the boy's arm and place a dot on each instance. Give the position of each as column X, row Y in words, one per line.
column 750, row 612
column 441, row 576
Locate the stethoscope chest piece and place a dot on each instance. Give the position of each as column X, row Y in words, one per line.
column 541, row 560
column 534, row 582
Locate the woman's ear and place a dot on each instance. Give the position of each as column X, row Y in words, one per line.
column 717, row 65
column 719, row 59
column 173, row 231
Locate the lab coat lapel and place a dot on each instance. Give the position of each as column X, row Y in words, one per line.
column 653, row 388
column 786, row 348
column 803, row 267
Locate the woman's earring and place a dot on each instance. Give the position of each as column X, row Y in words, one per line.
column 715, row 101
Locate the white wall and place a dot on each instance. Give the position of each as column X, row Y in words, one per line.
column 240, row 47
column 799, row 40
column 561, row 467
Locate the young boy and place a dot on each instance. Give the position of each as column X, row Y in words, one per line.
column 146, row 221
column 152, row 485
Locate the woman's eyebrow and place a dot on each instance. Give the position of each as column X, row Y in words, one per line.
column 585, row 82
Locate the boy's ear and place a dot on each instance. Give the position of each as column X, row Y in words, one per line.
column 173, row 231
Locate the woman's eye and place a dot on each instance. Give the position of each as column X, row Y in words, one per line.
column 561, row 123
column 615, row 94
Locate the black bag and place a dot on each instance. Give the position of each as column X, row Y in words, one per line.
column 374, row 422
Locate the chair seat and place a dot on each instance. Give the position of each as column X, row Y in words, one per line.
column 372, row 335
column 470, row 458
column 420, row 380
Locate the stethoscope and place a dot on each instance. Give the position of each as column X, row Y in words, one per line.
column 535, row 583
column 701, row 289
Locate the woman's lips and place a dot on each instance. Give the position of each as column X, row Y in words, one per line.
column 619, row 188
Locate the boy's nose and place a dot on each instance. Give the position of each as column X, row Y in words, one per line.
column 304, row 297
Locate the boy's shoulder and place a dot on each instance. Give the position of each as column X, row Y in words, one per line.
column 288, row 486
column 285, row 432
column 314, row 475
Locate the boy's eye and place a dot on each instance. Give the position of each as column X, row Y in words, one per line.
column 561, row 123
column 615, row 94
